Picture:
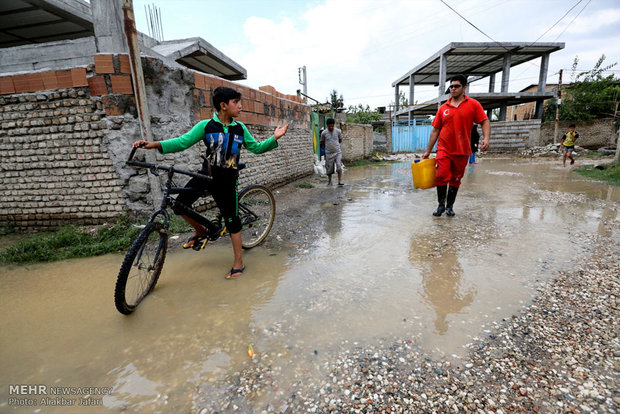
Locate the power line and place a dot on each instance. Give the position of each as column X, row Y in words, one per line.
column 559, row 20
column 571, row 22
column 473, row 25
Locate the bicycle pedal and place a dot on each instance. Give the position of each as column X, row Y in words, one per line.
column 201, row 245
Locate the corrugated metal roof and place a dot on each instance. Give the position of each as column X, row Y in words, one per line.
column 475, row 59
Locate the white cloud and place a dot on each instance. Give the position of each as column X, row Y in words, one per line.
column 361, row 47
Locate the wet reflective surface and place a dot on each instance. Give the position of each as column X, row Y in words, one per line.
column 380, row 268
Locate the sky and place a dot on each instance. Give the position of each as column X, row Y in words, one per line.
column 360, row 47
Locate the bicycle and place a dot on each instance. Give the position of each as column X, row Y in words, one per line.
column 145, row 258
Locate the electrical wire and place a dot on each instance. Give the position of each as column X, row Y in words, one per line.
column 559, row 20
column 571, row 22
column 473, row 25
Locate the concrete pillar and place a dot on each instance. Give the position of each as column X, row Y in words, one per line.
column 542, row 85
column 108, row 25
column 505, row 81
column 396, row 98
column 491, row 90
column 492, row 83
column 542, row 75
column 506, row 72
column 411, row 95
column 443, row 70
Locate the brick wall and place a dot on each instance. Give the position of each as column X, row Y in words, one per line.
column 388, row 135
column 55, row 167
column 356, row 141
column 510, row 136
column 66, row 134
column 592, row 135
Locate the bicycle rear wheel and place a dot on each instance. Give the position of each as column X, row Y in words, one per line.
column 141, row 267
column 257, row 210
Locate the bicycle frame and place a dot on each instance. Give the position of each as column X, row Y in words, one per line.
column 214, row 229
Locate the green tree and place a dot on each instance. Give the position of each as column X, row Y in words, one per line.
column 361, row 114
column 590, row 96
column 337, row 102
column 403, row 102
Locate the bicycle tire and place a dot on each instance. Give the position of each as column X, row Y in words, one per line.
column 145, row 258
column 257, row 211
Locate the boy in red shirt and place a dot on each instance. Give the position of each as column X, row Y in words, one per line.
column 452, row 125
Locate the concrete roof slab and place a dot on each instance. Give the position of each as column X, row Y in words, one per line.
column 475, row 59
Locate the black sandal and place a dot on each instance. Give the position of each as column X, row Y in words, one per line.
column 234, row 273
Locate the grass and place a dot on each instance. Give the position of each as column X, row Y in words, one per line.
column 610, row 172
column 4, row 231
column 305, row 185
column 74, row 242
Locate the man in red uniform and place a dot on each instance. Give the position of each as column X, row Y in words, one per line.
column 452, row 125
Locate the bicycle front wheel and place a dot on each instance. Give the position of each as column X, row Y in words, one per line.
column 141, row 267
column 257, row 210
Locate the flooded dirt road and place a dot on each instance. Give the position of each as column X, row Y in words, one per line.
column 343, row 268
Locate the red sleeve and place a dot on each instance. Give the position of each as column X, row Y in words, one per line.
column 438, row 119
column 479, row 114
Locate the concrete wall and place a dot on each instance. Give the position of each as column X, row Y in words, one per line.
column 592, row 135
column 356, row 141
column 511, row 136
column 66, row 134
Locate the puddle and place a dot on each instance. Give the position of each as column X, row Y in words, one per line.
column 382, row 269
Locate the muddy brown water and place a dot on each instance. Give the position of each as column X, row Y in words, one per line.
column 381, row 268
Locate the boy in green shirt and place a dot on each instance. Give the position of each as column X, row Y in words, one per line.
column 223, row 137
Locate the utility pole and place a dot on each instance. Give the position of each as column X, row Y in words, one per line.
column 137, row 77
column 303, row 80
column 557, row 111
column 617, row 157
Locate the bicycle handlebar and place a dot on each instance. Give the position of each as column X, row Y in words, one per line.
column 162, row 167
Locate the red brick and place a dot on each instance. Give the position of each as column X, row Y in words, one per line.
column 208, row 81
column 78, row 77
column 199, row 81
column 49, row 80
column 205, row 113
column 21, row 83
column 243, row 117
column 97, row 85
column 121, row 84
column 35, row 82
column 104, row 64
column 6, row 85
column 64, row 79
column 125, row 64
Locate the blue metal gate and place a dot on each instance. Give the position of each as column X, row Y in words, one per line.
column 410, row 136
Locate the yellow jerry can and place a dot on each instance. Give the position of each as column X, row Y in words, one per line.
column 423, row 172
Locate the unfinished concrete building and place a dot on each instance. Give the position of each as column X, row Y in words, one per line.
column 478, row 61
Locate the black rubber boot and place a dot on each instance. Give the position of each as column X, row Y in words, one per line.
column 450, row 202
column 441, row 197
